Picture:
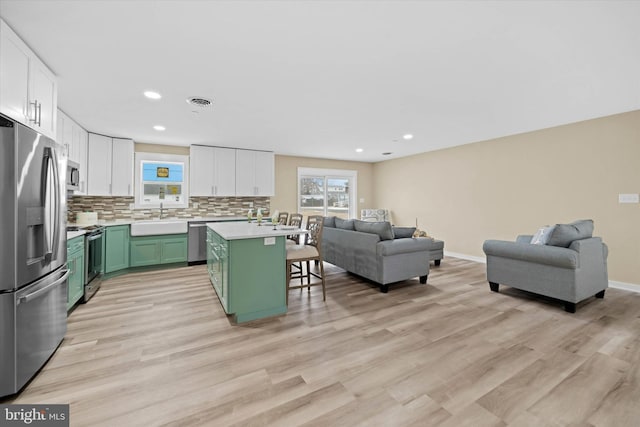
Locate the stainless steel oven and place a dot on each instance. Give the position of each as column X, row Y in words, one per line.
column 94, row 260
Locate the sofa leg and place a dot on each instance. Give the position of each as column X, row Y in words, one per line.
column 570, row 307
column 494, row 286
column 423, row 279
column 384, row 288
column 436, row 262
column 600, row 294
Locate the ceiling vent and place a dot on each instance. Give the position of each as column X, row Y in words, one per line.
column 199, row 101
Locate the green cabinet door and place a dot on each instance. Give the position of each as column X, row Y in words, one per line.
column 75, row 264
column 116, row 248
column 174, row 249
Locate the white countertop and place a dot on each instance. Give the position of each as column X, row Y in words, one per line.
column 246, row 230
column 72, row 234
column 131, row 221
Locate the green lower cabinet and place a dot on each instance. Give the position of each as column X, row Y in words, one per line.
column 75, row 264
column 155, row 250
column 248, row 276
column 116, row 248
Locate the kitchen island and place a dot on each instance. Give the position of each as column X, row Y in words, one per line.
column 246, row 264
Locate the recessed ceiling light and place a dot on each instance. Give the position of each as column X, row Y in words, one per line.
column 160, row 128
column 387, row 153
column 152, row 95
column 407, row 136
column 359, row 150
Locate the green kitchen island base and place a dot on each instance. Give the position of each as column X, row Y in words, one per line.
column 246, row 265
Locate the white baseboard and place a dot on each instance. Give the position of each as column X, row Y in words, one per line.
column 612, row 283
column 479, row 259
column 625, row 286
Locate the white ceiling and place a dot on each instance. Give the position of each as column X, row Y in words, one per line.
column 322, row 78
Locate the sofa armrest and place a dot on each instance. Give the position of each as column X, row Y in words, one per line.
column 541, row 254
column 591, row 247
column 401, row 246
column 524, row 238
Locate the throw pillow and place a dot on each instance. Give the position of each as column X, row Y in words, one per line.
column 345, row 224
column 329, row 221
column 403, row 232
column 382, row 229
column 564, row 234
column 542, row 235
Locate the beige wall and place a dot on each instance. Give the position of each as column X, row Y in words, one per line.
column 287, row 175
column 500, row 188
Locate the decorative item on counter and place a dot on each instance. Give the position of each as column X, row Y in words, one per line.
column 274, row 218
column 250, row 215
column 259, row 216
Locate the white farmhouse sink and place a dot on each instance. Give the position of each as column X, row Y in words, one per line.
column 156, row 227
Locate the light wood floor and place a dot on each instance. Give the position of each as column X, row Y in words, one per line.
column 156, row 349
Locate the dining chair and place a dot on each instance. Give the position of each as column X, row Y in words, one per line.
column 307, row 252
column 283, row 217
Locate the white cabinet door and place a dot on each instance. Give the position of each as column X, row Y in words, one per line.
column 99, row 165
column 14, row 75
column 83, row 137
column 122, row 167
column 43, row 97
column 264, row 171
column 201, row 167
column 254, row 173
column 224, row 172
column 245, row 173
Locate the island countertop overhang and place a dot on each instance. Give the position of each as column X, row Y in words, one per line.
column 247, row 230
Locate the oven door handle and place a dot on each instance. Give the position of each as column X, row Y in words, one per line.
column 39, row 292
column 95, row 237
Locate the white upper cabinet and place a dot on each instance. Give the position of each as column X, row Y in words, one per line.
column 254, row 173
column 212, row 171
column 74, row 139
column 29, row 89
column 109, row 166
column 122, row 167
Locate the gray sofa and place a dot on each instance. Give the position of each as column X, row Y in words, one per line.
column 567, row 263
column 375, row 250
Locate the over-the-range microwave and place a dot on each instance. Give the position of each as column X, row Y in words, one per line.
column 73, row 176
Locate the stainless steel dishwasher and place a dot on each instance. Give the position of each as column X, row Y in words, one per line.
column 197, row 253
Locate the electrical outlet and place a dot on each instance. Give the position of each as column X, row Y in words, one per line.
column 629, row 198
column 132, row 206
column 250, row 204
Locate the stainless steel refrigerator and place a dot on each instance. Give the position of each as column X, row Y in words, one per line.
column 33, row 253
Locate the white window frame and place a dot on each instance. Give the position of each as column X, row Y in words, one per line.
column 158, row 157
column 331, row 173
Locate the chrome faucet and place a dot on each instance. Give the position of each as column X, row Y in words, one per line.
column 161, row 210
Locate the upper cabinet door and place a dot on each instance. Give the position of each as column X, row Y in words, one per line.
column 99, row 165
column 43, row 97
column 29, row 89
column 224, row 172
column 264, row 173
column 122, row 167
column 14, row 75
column 201, row 167
column 254, row 173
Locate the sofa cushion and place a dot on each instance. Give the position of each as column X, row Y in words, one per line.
column 382, row 229
column 403, row 232
column 564, row 234
column 542, row 235
column 401, row 246
column 329, row 221
column 345, row 224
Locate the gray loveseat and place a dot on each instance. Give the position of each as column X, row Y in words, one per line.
column 375, row 250
column 565, row 263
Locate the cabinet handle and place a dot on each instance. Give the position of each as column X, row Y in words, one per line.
column 39, row 114
column 213, row 192
column 35, row 111
column 110, row 189
column 216, row 187
column 128, row 189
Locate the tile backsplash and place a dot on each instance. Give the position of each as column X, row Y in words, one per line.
column 117, row 208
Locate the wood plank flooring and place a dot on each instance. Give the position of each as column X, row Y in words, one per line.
column 156, row 349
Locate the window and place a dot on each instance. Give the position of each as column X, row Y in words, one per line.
column 162, row 178
column 327, row 192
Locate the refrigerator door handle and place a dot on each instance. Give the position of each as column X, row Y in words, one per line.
column 33, row 295
column 51, row 203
